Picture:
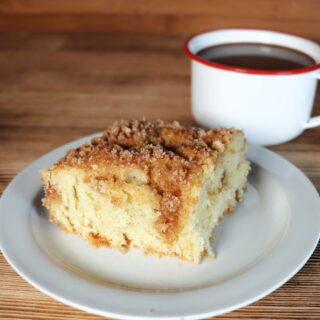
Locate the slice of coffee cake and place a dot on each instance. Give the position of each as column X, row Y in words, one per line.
column 156, row 186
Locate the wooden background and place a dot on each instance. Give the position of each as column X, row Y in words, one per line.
column 58, row 87
column 162, row 16
column 72, row 67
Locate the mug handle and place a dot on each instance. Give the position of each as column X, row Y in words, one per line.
column 314, row 121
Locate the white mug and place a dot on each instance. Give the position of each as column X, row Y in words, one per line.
column 270, row 106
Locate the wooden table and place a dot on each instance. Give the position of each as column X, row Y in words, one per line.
column 58, row 87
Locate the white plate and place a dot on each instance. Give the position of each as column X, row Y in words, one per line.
column 259, row 247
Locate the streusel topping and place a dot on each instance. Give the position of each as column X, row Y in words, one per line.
column 145, row 141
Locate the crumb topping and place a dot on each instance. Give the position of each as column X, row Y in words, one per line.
column 168, row 152
column 147, row 141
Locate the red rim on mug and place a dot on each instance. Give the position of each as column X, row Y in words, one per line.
column 195, row 57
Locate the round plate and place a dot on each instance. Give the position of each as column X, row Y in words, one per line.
column 258, row 248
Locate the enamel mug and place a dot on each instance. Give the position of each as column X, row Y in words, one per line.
column 271, row 107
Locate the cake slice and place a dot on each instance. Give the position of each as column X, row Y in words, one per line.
column 156, row 186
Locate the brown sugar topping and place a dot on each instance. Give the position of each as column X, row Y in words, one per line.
column 144, row 141
column 168, row 152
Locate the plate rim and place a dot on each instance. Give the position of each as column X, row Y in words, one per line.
column 253, row 149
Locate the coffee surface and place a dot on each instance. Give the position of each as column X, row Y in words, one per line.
column 256, row 56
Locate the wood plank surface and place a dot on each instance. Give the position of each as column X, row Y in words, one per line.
column 165, row 16
column 60, row 86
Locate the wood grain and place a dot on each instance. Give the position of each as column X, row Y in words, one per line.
column 58, row 87
column 165, row 16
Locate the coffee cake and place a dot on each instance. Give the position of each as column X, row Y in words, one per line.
column 157, row 186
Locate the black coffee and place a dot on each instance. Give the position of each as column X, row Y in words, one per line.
column 256, row 56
